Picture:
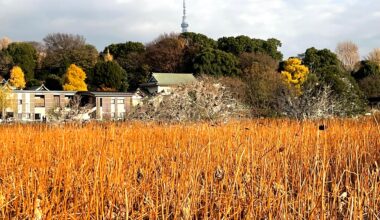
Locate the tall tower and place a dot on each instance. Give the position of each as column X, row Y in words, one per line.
column 184, row 24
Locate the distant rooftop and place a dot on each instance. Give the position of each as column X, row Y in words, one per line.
column 167, row 79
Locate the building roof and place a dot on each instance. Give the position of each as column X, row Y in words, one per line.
column 96, row 94
column 44, row 92
column 42, row 87
column 107, row 94
column 167, row 79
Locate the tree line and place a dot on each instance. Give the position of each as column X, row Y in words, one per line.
column 124, row 66
column 254, row 69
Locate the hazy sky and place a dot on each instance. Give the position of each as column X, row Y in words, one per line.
column 299, row 24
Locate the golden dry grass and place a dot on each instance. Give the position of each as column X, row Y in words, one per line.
column 262, row 169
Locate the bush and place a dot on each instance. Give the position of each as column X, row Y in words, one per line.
column 262, row 83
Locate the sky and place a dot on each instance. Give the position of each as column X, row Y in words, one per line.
column 298, row 24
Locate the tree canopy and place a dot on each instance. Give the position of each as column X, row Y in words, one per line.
column 131, row 57
column 4, row 42
column 316, row 59
column 374, row 56
column 17, row 78
column 74, row 79
column 348, row 54
column 53, row 82
column 262, row 83
column 6, row 63
column 23, row 55
column 329, row 71
column 166, row 54
column 198, row 40
column 122, row 50
column 62, row 50
column 366, row 69
column 241, row 44
column 254, row 67
column 5, row 101
column 295, row 73
column 216, row 62
column 109, row 76
column 368, row 77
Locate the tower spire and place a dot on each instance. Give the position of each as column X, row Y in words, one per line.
column 184, row 24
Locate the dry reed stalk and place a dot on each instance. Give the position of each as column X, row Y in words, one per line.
column 274, row 169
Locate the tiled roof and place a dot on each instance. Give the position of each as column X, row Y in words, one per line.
column 44, row 91
column 172, row 78
column 107, row 94
column 42, row 87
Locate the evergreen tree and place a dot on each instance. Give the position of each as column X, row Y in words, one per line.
column 109, row 76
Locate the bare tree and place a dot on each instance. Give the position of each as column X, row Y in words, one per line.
column 61, row 41
column 206, row 99
column 314, row 103
column 65, row 49
column 374, row 56
column 4, row 42
column 74, row 111
column 348, row 54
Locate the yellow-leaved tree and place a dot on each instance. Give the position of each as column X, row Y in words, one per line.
column 17, row 78
column 5, row 100
column 74, row 79
column 294, row 73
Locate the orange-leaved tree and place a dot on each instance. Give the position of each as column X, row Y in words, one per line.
column 294, row 73
column 17, row 78
column 74, row 79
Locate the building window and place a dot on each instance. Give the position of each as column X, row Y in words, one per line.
column 39, row 101
column 120, row 101
column 20, row 102
column 57, row 101
column 100, row 102
column 112, row 101
column 37, row 116
column 27, row 116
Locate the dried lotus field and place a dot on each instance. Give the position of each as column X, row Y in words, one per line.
column 260, row 169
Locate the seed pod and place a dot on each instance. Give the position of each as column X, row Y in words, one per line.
column 218, row 174
column 322, row 127
column 139, row 176
column 281, row 149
